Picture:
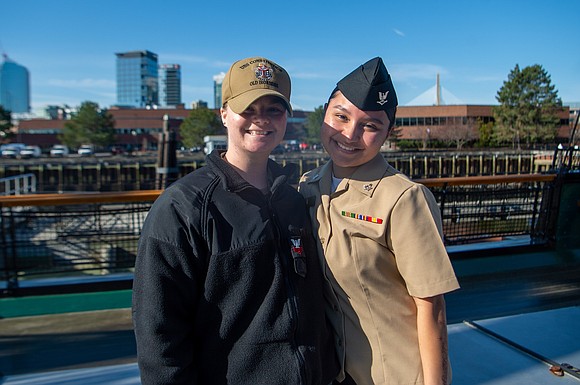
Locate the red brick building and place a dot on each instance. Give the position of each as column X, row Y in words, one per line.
column 446, row 122
column 135, row 128
column 139, row 128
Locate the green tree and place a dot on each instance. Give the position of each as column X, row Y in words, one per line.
column 528, row 108
column 313, row 124
column 90, row 125
column 486, row 134
column 199, row 123
column 5, row 124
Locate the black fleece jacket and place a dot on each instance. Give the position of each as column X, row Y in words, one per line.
column 228, row 287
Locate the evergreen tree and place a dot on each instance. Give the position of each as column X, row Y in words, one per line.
column 5, row 124
column 90, row 125
column 313, row 124
column 486, row 136
column 199, row 123
column 528, row 110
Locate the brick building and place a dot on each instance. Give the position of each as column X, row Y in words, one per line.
column 139, row 128
column 136, row 128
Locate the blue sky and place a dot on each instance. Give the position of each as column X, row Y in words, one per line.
column 69, row 46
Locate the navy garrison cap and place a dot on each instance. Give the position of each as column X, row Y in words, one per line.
column 369, row 87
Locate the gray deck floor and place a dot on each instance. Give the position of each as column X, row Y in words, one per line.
column 530, row 298
column 476, row 357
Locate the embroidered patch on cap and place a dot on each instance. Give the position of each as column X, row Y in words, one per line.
column 263, row 72
column 361, row 217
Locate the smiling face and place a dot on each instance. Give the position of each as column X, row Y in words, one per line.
column 257, row 130
column 352, row 137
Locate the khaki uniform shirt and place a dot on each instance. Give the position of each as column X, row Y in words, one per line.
column 381, row 236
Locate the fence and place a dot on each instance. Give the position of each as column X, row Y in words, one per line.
column 130, row 174
column 479, row 208
column 19, row 184
column 64, row 235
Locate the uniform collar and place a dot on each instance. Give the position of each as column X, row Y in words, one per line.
column 364, row 179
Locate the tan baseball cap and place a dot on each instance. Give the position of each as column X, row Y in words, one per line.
column 250, row 79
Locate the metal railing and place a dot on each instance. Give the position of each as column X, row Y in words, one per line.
column 124, row 174
column 67, row 235
column 93, row 234
column 19, row 184
column 486, row 207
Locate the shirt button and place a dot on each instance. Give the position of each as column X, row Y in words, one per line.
column 339, row 342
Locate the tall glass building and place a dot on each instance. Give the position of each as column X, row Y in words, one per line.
column 170, row 84
column 14, row 86
column 137, row 76
column 217, row 89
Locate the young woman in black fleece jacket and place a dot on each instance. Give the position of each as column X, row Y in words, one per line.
column 228, row 287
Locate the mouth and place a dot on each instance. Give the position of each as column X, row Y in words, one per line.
column 345, row 148
column 258, row 133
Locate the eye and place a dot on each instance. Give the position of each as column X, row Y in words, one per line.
column 370, row 127
column 276, row 110
column 248, row 111
column 341, row 117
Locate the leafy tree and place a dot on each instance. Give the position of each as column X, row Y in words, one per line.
column 199, row 123
column 528, row 110
column 90, row 125
column 313, row 124
column 486, row 134
column 5, row 124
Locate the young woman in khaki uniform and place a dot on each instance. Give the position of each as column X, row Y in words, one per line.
column 381, row 238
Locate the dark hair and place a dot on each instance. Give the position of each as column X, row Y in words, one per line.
column 391, row 112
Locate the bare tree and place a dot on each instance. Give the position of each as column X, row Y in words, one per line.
column 459, row 132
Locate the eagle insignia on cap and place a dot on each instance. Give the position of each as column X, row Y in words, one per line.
column 383, row 97
column 263, row 72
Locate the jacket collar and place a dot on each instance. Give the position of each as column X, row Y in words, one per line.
column 233, row 181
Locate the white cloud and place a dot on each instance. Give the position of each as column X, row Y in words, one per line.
column 399, row 32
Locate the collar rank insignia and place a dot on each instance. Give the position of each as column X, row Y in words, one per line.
column 368, row 187
column 361, row 217
column 383, row 97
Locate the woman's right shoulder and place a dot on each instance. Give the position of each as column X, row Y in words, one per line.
column 310, row 175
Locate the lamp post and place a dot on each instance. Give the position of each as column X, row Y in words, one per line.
column 167, row 170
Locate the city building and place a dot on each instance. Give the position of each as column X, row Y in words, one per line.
column 169, row 85
column 137, row 79
column 135, row 128
column 217, row 89
column 455, row 122
column 437, row 116
column 199, row 104
column 14, row 86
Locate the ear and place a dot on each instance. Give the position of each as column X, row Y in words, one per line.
column 224, row 115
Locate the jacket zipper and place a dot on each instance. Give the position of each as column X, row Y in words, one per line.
column 288, row 270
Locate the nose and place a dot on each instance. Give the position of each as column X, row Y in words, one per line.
column 351, row 132
column 260, row 117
